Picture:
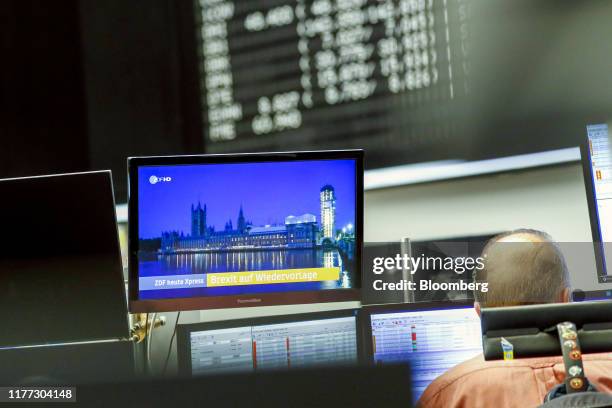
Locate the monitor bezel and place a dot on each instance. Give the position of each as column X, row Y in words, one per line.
column 368, row 310
column 183, row 332
column 589, row 187
column 137, row 305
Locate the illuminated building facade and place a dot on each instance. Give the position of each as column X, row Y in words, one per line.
column 198, row 220
column 297, row 232
column 328, row 212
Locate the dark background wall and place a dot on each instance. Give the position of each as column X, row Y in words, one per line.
column 86, row 84
column 42, row 99
column 133, row 82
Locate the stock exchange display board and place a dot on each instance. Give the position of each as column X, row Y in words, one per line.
column 294, row 75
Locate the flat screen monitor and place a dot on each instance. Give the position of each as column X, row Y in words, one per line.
column 432, row 337
column 459, row 247
column 279, row 342
column 218, row 231
column 597, row 165
column 61, row 272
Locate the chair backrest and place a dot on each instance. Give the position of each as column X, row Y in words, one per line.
column 532, row 329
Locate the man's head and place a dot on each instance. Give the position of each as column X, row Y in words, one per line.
column 522, row 267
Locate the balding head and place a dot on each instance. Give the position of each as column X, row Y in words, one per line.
column 522, row 267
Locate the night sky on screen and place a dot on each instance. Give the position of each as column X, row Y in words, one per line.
column 268, row 192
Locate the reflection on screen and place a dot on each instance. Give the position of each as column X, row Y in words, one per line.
column 246, row 228
column 276, row 346
column 431, row 340
column 601, row 161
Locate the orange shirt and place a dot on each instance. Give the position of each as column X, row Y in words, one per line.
column 517, row 383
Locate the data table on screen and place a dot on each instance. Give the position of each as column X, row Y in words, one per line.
column 275, row 346
column 272, row 72
column 600, row 150
column 433, row 341
column 221, row 350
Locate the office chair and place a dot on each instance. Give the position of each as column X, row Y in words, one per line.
column 567, row 329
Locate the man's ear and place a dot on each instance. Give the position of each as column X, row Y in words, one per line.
column 566, row 296
column 477, row 308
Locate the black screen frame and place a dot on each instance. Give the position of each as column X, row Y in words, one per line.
column 589, row 187
column 137, row 305
column 368, row 311
column 116, row 329
column 183, row 332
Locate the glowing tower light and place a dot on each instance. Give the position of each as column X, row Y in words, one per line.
column 328, row 211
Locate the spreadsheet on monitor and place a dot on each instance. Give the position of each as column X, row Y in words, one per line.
column 600, row 150
column 274, row 346
column 433, row 341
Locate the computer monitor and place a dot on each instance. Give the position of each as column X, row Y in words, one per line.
column 217, row 231
column 432, row 337
column 470, row 246
column 278, row 342
column 597, row 166
column 60, row 270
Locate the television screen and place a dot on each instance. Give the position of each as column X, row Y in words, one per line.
column 224, row 231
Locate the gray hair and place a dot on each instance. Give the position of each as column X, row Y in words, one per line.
column 520, row 273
